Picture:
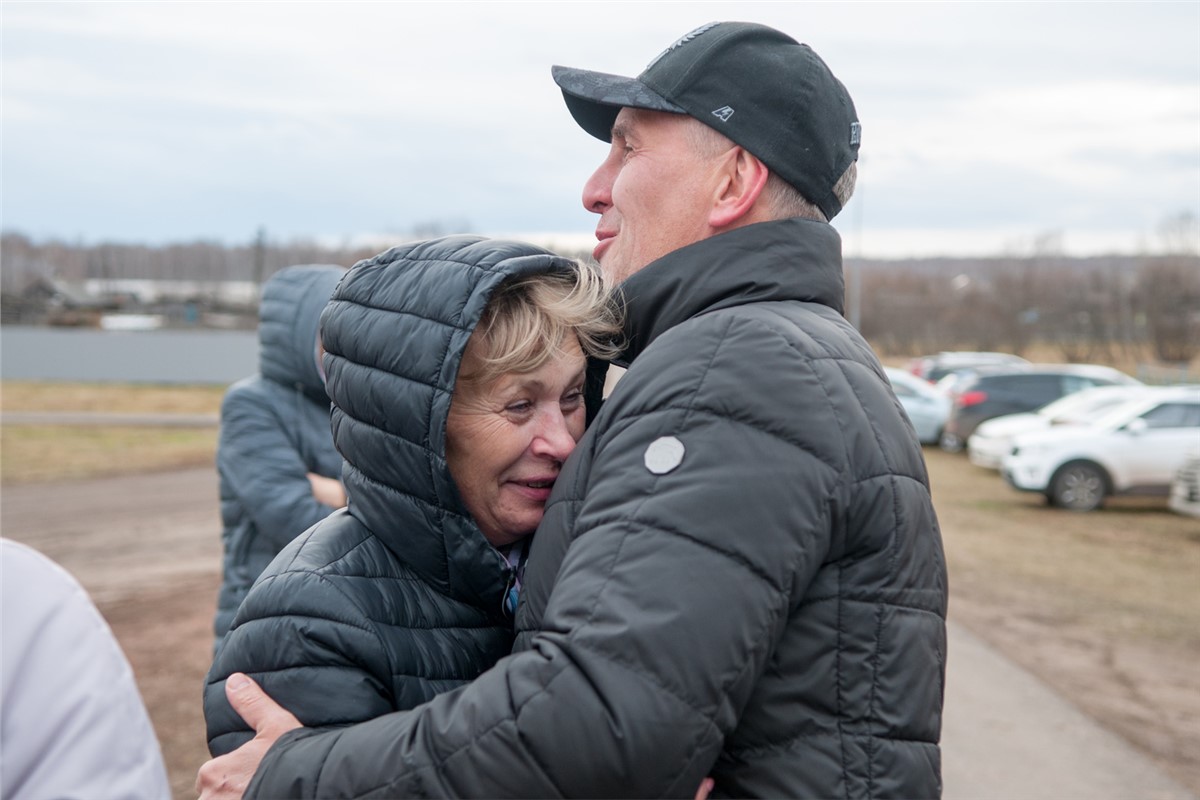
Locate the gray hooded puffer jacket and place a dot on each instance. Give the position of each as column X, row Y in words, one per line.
column 274, row 430
column 398, row 597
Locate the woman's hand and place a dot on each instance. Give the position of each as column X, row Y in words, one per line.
column 327, row 491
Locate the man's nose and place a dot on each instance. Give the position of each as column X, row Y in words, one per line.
column 553, row 438
column 597, row 192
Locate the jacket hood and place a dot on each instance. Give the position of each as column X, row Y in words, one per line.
column 394, row 334
column 289, row 314
column 790, row 259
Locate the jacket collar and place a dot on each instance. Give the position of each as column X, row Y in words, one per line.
column 790, row 259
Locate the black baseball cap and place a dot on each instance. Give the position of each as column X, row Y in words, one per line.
column 758, row 86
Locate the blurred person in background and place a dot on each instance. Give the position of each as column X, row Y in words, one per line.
column 457, row 371
column 279, row 471
column 72, row 722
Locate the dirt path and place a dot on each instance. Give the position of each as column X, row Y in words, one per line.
column 147, row 548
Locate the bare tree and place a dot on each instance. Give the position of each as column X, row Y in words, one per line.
column 1168, row 299
column 1167, row 293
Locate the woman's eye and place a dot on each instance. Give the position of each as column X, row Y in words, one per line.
column 572, row 399
column 520, row 407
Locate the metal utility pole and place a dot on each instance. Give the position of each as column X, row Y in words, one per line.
column 854, row 276
column 260, row 258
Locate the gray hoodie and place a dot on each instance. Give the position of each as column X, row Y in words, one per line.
column 274, row 430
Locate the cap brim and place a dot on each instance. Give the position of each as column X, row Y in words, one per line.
column 595, row 98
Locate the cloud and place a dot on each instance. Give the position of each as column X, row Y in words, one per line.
column 158, row 121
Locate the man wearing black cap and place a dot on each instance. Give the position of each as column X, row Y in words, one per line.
column 739, row 574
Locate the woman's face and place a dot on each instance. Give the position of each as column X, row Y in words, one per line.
column 506, row 441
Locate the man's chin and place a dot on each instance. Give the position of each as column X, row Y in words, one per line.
column 612, row 270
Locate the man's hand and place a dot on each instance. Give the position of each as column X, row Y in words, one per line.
column 226, row 777
column 328, row 491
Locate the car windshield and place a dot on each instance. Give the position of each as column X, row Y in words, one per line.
column 904, row 382
column 1121, row 414
column 1087, row 403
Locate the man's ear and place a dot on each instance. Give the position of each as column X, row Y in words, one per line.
column 742, row 182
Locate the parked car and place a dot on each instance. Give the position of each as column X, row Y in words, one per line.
column 934, row 368
column 1185, row 488
column 1136, row 447
column 997, row 392
column 993, row 439
column 926, row 407
column 952, row 382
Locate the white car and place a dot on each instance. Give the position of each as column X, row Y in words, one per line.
column 1134, row 448
column 993, row 439
column 926, row 406
column 1185, row 489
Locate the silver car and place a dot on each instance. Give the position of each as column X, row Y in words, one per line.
column 926, row 406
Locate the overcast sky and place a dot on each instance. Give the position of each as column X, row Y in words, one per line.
column 985, row 125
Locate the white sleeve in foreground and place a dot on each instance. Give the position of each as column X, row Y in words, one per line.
column 73, row 722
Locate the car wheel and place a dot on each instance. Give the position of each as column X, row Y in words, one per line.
column 1078, row 486
column 950, row 442
column 936, row 439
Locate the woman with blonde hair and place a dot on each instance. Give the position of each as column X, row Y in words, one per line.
column 457, row 369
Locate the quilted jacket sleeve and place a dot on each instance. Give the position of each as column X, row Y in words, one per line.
column 666, row 608
column 263, row 468
column 311, row 648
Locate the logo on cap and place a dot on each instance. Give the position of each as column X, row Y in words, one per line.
column 723, row 113
column 855, row 133
column 682, row 40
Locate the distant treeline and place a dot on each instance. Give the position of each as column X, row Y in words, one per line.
column 1096, row 308
column 26, row 260
column 1090, row 309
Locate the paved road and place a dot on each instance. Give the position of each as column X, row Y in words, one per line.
column 1005, row 734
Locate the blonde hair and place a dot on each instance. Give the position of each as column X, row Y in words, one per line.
column 529, row 319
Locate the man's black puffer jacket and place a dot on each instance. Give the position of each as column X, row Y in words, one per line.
column 399, row 597
column 739, row 573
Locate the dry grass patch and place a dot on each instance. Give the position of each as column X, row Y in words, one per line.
column 110, row 397
column 45, row 453
column 31, row 453
column 1130, row 567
